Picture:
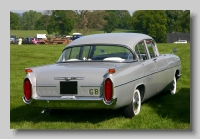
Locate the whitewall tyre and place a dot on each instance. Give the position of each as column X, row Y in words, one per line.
column 134, row 107
column 173, row 90
column 136, row 102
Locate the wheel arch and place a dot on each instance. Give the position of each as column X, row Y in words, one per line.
column 141, row 88
column 177, row 74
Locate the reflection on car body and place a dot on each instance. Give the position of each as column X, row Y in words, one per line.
column 103, row 71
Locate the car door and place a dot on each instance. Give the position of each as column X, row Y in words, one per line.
column 161, row 64
column 149, row 68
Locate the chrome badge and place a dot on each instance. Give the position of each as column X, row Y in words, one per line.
column 68, row 78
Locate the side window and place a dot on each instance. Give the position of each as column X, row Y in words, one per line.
column 151, row 48
column 141, row 50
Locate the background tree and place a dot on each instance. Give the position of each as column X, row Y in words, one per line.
column 186, row 21
column 43, row 22
column 29, row 19
column 172, row 17
column 71, row 15
column 112, row 21
column 96, row 19
column 60, row 23
column 82, row 20
column 14, row 21
column 89, row 19
column 151, row 22
column 51, row 27
column 182, row 24
column 123, row 16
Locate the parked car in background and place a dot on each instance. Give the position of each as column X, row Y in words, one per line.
column 27, row 40
column 41, row 36
column 24, row 40
column 13, row 39
column 103, row 71
column 76, row 36
column 69, row 37
column 181, row 41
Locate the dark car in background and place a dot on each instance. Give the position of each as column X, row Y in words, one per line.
column 27, row 40
column 76, row 36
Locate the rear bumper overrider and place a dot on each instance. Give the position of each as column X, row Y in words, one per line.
column 70, row 103
column 178, row 76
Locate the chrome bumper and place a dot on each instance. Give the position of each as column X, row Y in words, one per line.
column 70, row 103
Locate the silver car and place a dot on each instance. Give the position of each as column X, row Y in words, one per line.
column 103, row 71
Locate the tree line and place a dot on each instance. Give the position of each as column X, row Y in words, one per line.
column 155, row 23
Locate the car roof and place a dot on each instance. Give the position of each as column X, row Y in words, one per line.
column 128, row 39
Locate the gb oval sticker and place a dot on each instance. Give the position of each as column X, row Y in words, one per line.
column 93, row 91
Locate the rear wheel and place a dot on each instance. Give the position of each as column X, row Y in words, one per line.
column 133, row 108
column 173, row 90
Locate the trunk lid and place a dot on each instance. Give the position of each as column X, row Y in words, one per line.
column 75, row 79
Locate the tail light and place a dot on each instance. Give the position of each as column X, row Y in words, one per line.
column 108, row 90
column 27, row 89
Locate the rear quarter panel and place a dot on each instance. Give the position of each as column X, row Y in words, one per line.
column 125, row 80
column 174, row 63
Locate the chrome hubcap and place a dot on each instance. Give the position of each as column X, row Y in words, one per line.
column 135, row 103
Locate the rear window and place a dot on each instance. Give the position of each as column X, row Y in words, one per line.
column 97, row 53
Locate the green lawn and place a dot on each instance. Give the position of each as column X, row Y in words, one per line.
column 27, row 33
column 163, row 111
column 33, row 33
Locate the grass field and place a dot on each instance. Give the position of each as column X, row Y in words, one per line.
column 33, row 33
column 163, row 111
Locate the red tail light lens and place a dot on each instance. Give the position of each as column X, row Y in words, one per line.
column 27, row 89
column 108, row 89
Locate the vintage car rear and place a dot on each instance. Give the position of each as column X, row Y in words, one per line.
column 81, row 78
column 103, row 71
column 67, row 85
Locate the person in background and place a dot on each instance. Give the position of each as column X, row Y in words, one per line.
column 34, row 41
column 20, row 41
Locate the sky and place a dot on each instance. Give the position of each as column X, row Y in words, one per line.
column 21, row 11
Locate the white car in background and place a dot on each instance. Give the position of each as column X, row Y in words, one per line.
column 76, row 36
column 181, row 41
